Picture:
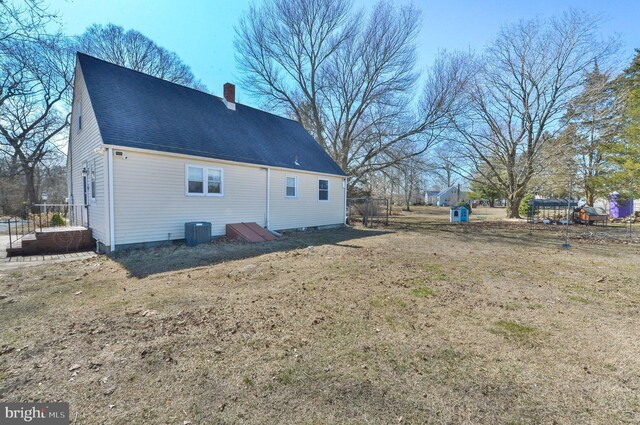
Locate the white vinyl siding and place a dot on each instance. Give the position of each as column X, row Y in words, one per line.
column 84, row 148
column 149, row 210
column 306, row 211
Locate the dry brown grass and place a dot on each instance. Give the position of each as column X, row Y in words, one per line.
column 420, row 322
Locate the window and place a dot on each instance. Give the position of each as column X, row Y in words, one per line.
column 89, row 177
column 79, row 115
column 204, row 181
column 195, row 183
column 323, row 190
column 93, row 180
column 292, row 187
column 214, row 181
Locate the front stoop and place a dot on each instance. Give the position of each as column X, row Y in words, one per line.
column 51, row 241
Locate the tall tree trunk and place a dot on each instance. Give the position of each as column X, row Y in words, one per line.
column 514, row 206
column 590, row 196
column 30, row 185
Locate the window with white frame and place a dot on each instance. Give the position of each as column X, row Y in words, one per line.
column 92, row 173
column 79, row 115
column 214, row 181
column 204, row 181
column 323, row 190
column 291, row 187
column 89, row 176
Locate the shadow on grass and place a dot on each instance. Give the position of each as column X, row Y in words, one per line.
column 141, row 263
column 145, row 262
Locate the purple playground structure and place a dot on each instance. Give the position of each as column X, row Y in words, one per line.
column 619, row 209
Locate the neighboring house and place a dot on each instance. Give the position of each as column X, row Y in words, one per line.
column 147, row 155
column 450, row 196
column 431, row 197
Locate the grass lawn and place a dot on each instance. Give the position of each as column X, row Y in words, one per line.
column 417, row 322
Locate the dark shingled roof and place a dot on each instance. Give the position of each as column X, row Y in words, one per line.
column 140, row 111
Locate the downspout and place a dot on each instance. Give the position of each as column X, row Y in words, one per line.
column 344, row 185
column 268, row 221
column 112, row 230
column 70, row 199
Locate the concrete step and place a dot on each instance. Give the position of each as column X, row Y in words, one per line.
column 29, row 240
column 14, row 248
column 53, row 240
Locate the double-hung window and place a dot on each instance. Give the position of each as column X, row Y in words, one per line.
column 79, row 104
column 291, row 189
column 214, row 181
column 323, row 190
column 203, row 181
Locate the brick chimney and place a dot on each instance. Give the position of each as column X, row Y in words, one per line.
column 229, row 93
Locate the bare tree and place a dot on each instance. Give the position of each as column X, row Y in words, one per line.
column 20, row 18
column 444, row 164
column 134, row 50
column 351, row 86
column 412, row 171
column 520, row 93
column 36, row 72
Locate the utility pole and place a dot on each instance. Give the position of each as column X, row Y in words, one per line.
column 566, row 243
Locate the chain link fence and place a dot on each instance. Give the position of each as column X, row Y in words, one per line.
column 368, row 211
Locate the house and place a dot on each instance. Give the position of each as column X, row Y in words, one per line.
column 431, row 197
column 459, row 214
column 450, row 196
column 147, row 156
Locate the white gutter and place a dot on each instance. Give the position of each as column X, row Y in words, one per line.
column 223, row 161
column 112, row 221
column 268, row 221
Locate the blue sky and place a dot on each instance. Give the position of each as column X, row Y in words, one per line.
column 201, row 32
